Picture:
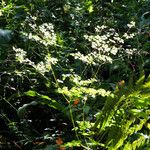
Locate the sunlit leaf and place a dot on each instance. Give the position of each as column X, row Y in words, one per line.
column 73, row 143
column 31, row 93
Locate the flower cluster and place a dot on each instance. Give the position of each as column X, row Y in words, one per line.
column 92, row 58
column 44, row 34
column 129, row 36
column 47, row 30
column 45, row 66
column 131, row 24
column 107, row 43
column 42, row 67
column 104, row 44
column 20, row 54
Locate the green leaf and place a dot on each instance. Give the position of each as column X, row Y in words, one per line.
column 89, row 6
column 52, row 103
column 51, row 147
column 31, row 93
column 44, row 99
column 73, row 143
column 5, row 36
column 22, row 110
column 86, row 109
column 142, row 103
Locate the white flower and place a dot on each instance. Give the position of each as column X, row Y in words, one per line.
column 20, row 54
column 131, row 24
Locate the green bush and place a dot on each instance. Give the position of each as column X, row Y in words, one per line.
column 72, row 74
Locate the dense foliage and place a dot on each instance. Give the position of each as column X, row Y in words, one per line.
column 74, row 74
